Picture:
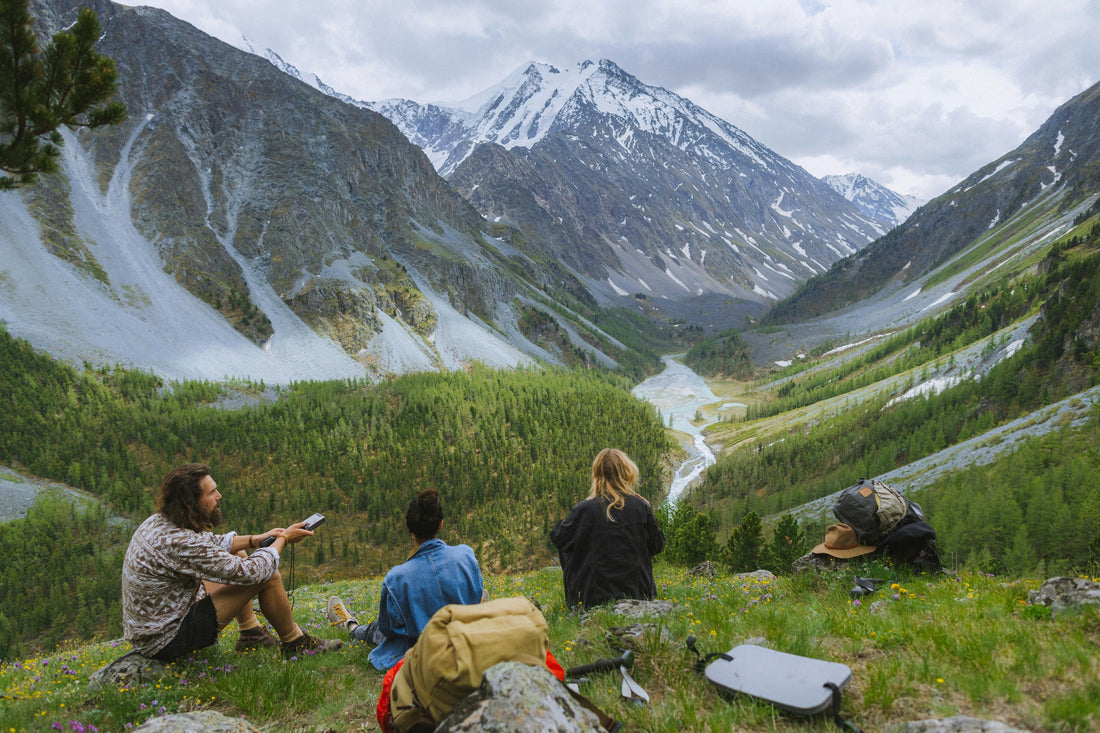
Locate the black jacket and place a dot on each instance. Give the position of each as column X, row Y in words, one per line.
column 608, row 560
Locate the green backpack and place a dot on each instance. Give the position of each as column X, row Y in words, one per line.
column 872, row 509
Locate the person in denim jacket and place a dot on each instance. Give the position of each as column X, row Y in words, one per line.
column 436, row 574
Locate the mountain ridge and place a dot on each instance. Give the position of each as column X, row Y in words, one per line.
column 311, row 226
column 714, row 211
column 874, row 199
column 1053, row 171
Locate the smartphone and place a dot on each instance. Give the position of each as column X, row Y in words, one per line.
column 313, row 521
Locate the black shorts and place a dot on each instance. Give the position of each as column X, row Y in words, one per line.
column 199, row 629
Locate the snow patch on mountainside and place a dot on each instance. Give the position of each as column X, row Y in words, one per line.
column 143, row 318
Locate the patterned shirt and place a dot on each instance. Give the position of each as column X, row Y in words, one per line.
column 163, row 572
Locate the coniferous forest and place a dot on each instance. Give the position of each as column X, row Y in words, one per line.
column 510, row 451
column 1038, row 509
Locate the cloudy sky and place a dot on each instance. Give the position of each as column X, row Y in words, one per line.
column 916, row 94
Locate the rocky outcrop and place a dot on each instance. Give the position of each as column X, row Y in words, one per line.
column 1062, row 595
column 514, row 698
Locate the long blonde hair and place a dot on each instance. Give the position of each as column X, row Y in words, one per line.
column 614, row 477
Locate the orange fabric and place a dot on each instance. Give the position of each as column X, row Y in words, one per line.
column 382, row 712
column 554, row 667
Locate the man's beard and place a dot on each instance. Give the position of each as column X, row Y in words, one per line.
column 214, row 518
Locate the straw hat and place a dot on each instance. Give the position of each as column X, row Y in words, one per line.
column 841, row 541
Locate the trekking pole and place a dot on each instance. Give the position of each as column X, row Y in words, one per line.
column 603, row 665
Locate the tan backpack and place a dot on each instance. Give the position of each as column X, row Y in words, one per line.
column 455, row 649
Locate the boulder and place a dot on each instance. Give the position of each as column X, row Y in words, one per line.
column 705, row 569
column 756, row 576
column 129, row 669
column 515, row 698
column 1064, row 594
column 202, row 721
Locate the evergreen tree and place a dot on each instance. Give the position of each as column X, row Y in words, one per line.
column 1021, row 557
column 745, row 545
column 689, row 536
column 788, row 543
column 65, row 83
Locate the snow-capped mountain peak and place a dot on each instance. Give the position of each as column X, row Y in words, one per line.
column 537, row 99
column 874, row 199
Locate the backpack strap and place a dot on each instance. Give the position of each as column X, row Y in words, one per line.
column 606, row 721
column 841, row 722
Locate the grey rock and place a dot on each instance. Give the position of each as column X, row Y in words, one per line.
column 704, row 569
column 1065, row 594
column 817, row 564
column 202, row 721
column 129, row 669
column 756, row 576
column 960, row 724
column 641, row 609
column 515, row 697
column 634, row 636
column 633, row 609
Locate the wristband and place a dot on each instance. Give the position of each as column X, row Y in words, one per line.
column 250, row 538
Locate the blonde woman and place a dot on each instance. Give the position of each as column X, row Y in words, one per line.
column 607, row 541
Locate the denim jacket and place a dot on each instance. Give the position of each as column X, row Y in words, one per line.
column 437, row 574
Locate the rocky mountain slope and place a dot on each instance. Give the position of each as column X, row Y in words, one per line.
column 241, row 223
column 874, row 199
column 639, row 190
column 995, row 215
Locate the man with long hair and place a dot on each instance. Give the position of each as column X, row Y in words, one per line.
column 182, row 584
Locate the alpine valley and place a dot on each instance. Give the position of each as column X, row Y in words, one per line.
column 336, row 303
column 242, row 223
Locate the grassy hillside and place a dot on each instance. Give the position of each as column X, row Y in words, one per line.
column 823, row 424
column 920, row 648
column 510, row 452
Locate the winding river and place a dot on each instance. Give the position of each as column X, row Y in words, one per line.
column 677, row 393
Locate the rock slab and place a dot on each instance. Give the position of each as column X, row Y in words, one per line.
column 517, row 698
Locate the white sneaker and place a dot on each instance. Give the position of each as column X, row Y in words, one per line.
column 337, row 614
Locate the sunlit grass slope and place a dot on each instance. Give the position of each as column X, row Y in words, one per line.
column 920, row 647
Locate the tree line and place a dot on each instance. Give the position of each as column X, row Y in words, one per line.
column 510, row 452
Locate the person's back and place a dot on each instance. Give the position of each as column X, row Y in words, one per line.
column 436, row 575
column 604, row 560
column 606, row 542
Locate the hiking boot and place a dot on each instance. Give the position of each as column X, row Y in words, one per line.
column 337, row 614
column 255, row 639
column 306, row 644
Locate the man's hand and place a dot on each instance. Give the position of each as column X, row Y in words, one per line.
column 295, row 533
column 273, row 532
